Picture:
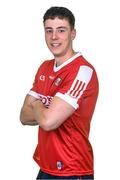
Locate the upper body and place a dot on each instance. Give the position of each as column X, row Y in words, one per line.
column 62, row 102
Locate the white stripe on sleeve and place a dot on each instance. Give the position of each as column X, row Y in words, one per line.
column 78, row 86
column 34, row 94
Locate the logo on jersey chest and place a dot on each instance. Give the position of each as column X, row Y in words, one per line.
column 57, row 81
column 42, row 77
column 51, row 77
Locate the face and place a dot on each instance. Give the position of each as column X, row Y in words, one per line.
column 59, row 36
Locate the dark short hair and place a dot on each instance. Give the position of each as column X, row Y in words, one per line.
column 61, row 13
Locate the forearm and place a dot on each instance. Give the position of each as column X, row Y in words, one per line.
column 45, row 117
column 52, row 117
column 27, row 116
column 38, row 113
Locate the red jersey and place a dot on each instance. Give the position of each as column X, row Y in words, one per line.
column 66, row 151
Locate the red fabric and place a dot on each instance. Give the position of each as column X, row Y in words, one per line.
column 67, row 151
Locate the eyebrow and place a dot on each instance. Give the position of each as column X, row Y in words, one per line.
column 60, row 27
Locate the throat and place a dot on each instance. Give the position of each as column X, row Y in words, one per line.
column 60, row 60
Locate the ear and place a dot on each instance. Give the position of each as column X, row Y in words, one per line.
column 73, row 34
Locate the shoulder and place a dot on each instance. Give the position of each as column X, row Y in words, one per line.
column 82, row 70
column 82, row 65
column 81, row 61
column 46, row 64
column 77, row 64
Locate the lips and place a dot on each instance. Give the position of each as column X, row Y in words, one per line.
column 55, row 45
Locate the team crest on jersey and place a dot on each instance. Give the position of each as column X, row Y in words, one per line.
column 57, row 82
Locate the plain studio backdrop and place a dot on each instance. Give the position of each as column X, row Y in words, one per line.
column 23, row 49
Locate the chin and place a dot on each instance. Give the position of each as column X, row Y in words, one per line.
column 56, row 54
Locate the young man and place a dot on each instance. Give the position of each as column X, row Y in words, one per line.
column 62, row 102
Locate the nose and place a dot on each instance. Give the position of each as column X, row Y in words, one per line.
column 54, row 35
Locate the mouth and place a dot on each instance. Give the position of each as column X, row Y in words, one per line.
column 55, row 45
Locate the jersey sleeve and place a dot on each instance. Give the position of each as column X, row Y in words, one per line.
column 74, row 88
column 34, row 90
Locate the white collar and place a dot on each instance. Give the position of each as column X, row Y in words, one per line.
column 66, row 62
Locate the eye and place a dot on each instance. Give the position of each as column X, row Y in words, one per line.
column 61, row 30
column 48, row 31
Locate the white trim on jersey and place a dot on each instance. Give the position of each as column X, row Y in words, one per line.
column 78, row 86
column 68, row 99
column 44, row 99
column 66, row 62
column 34, row 94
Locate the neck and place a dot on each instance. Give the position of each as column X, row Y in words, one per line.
column 61, row 59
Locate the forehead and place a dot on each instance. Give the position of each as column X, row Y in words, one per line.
column 55, row 23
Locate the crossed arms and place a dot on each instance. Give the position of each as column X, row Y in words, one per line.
column 34, row 112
